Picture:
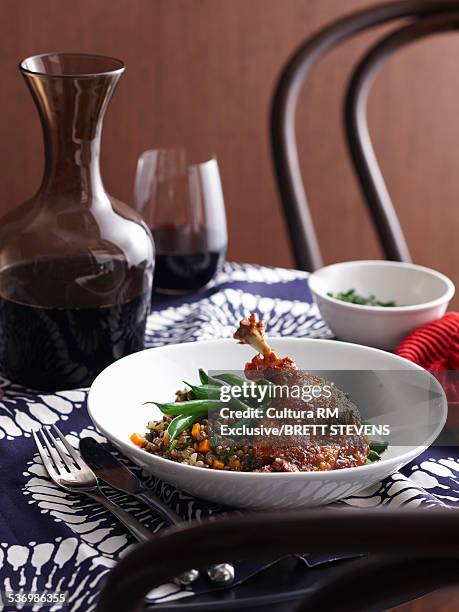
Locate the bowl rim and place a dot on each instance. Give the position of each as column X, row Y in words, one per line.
column 401, row 459
column 447, row 295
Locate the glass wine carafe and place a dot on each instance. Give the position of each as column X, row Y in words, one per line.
column 76, row 265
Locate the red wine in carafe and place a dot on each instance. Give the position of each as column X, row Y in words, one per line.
column 47, row 344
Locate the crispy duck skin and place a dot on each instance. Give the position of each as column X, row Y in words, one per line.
column 298, row 453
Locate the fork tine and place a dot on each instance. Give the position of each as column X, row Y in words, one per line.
column 54, row 452
column 60, row 451
column 72, row 452
column 44, row 457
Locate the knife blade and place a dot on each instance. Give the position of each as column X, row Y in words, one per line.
column 114, row 473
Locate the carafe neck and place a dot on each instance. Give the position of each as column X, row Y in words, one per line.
column 71, row 164
column 71, row 110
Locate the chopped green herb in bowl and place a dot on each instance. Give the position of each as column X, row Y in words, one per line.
column 353, row 297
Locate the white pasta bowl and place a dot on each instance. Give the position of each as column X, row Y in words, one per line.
column 116, row 406
column 421, row 295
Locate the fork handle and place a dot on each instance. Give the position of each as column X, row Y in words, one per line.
column 153, row 502
column 140, row 533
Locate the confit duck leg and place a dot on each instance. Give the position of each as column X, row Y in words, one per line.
column 299, row 452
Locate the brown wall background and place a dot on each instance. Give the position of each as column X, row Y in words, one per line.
column 201, row 73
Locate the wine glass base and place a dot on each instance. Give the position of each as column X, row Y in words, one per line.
column 167, row 291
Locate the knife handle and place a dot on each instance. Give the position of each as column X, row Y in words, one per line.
column 140, row 533
column 153, row 502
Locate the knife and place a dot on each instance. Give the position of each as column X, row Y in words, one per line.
column 107, row 468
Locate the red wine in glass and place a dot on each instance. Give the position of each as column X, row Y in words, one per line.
column 183, row 205
column 186, row 259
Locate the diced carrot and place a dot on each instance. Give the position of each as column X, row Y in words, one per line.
column 166, row 438
column 218, row 465
column 204, row 446
column 137, row 440
column 235, row 463
column 195, row 430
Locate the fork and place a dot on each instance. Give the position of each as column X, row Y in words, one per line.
column 68, row 470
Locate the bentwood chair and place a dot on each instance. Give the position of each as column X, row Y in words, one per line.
column 421, row 18
column 411, row 552
column 409, row 557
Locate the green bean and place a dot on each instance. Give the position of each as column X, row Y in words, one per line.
column 204, row 391
column 254, row 396
column 234, row 403
column 235, row 381
column 203, row 376
column 237, row 404
column 179, row 424
column 208, row 380
column 214, row 393
column 373, row 456
column 378, row 446
column 197, row 407
column 217, row 382
column 231, row 379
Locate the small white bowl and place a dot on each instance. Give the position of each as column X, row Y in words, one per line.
column 422, row 295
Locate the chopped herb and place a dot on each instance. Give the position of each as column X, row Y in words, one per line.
column 353, row 297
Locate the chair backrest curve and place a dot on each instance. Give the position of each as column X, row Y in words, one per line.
column 283, row 112
column 358, row 137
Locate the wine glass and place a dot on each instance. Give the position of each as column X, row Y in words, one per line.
column 183, row 205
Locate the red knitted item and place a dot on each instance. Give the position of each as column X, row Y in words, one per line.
column 434, row 346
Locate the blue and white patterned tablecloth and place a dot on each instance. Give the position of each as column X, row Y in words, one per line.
column 51, row 540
